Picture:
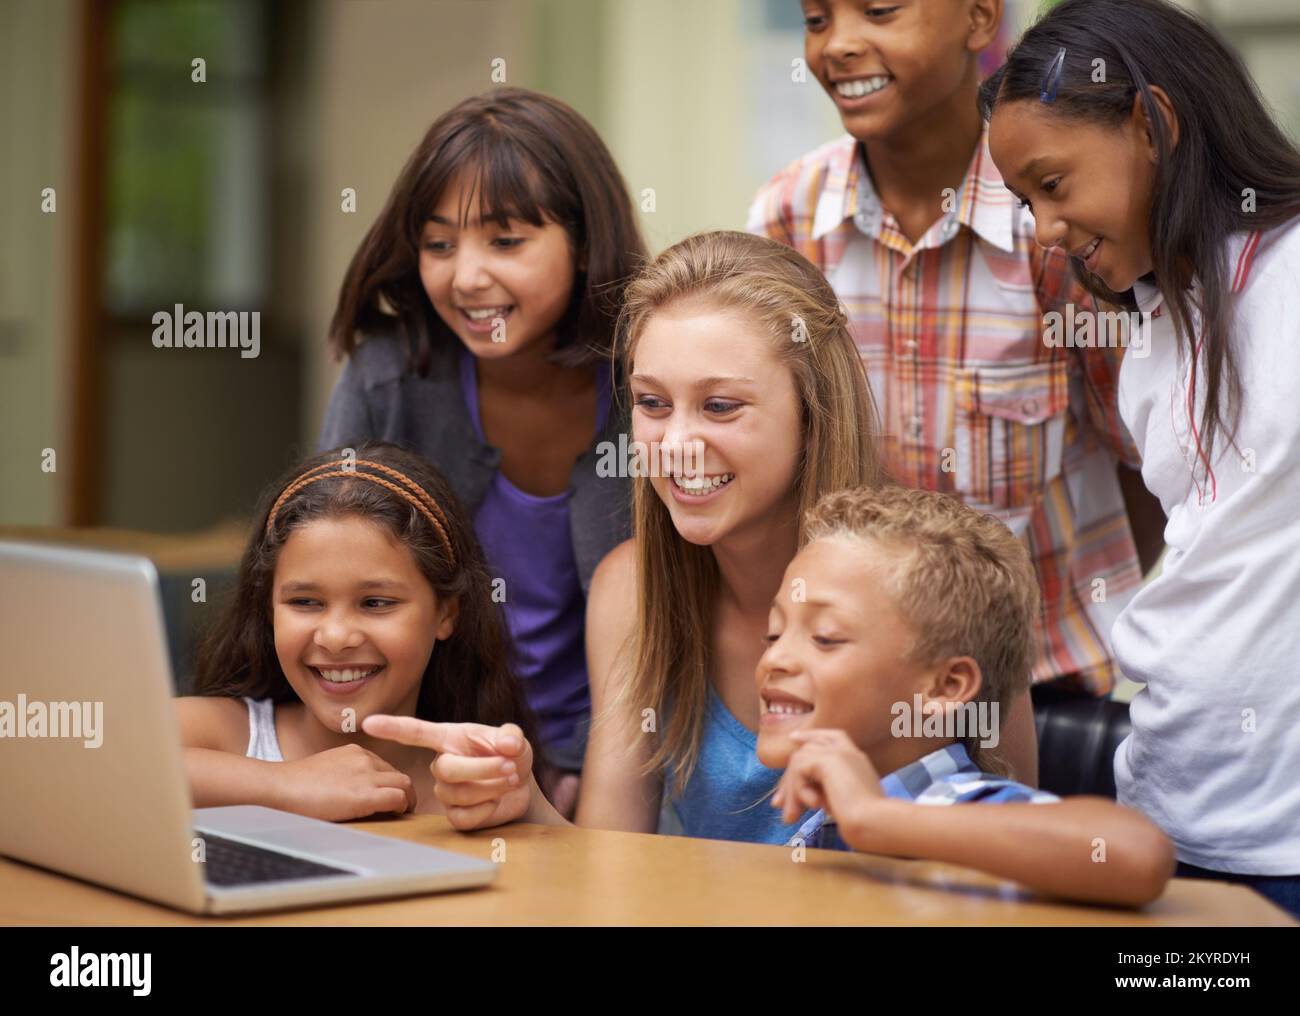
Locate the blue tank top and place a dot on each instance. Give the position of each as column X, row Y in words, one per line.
column 728, row 796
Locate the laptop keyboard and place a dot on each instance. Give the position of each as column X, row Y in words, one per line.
column 231, row 863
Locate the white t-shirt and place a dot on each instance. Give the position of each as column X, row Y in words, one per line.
column 1214, row 757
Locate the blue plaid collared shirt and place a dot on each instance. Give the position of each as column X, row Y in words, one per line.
column 945, row 776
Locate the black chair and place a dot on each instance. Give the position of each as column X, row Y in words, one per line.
column 1077, row 738
column 185, row 621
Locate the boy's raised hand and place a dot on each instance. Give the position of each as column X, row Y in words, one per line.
column 343, row 783
column 482, row 774
column 828, row 771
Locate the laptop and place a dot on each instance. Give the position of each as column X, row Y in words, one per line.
column 93, row 777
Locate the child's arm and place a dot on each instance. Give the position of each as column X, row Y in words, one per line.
column 219, row 778
column 212, row 730
column 336, row 785
column 1084, row 848
column 616, row 793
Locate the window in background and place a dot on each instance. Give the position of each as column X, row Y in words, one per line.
column 188, row 437
column 186, row 181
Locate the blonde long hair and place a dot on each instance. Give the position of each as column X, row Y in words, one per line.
column 668, row 659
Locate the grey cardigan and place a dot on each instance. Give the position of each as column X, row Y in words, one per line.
column 378, row 399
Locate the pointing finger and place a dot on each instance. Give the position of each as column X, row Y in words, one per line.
column 457, row 738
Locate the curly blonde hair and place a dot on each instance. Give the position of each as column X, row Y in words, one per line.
column 964, row 583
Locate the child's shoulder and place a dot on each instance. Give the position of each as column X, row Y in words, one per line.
column 1274, row 253
column 380, row 357
column 612, row 602
column 832, row 153
column 614, row 579
column 835, row 154
column 948, row 775
column 977, row 787
column 208, row 721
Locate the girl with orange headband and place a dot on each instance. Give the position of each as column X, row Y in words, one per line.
column 363, row 590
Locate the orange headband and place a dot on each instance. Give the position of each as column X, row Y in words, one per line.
column 412, row 492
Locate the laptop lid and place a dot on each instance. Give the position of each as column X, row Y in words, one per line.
column 94, row 782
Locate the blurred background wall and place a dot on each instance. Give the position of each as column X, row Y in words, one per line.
column 226, row 195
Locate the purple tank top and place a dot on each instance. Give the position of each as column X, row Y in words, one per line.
column 528, row 542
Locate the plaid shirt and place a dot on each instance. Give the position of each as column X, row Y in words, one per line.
column 973, row 400
column 945, row 776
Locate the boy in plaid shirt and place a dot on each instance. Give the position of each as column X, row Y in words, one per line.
column 948, row 296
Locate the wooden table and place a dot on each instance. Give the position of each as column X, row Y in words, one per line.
column 553, row 876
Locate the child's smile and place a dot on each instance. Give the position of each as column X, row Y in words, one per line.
column 857, row 93
column 339, row 680
column 783, row 710
column 355, row 620
column 483, row 319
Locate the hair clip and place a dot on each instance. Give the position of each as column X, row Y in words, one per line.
column 1052, row 79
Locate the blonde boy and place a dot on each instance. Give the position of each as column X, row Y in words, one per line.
column 906, row 600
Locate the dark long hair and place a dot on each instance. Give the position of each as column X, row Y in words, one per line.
column 469, row 677
column 1227, row 143
column 530, row 156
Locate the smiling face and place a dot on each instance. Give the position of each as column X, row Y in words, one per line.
column 838, row 655
column 355, row 620
column 502, row 290
column 888, row 64
column 710, row 380
column 1089, row 186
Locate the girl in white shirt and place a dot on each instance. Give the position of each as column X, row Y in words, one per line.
column 1142, row 145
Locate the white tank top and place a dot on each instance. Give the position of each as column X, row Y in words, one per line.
column 262, row 742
